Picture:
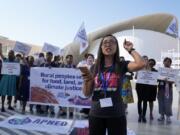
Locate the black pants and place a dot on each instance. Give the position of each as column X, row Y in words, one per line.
column 114, row 125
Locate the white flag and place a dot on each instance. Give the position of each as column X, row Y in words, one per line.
column 81, row 38
column 172, row 28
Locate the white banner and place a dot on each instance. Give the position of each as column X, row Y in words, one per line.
column 147, row 77
column 44, row 124
column 167, row 73
column 22, row 48
column 9, row 68
column 81, row 38
column 51, row 48
column 62, row 86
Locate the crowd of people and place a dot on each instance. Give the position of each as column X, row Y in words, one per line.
column 102, row 81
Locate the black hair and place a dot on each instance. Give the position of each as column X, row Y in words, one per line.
column 153, row 60
column 99, row 65
column 167, row 58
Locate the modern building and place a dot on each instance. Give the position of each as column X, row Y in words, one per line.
column 148, row 33
column 8, row 44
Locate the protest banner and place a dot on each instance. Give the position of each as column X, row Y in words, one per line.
column 44, row 124
column 62, row 86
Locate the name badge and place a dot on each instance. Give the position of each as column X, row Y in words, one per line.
column 106, row 102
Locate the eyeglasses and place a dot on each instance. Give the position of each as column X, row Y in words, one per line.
column 110, row 42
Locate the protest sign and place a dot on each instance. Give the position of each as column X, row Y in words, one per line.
column 22, row 48
column 9, row 68
column 62, row 86
column 147, row 77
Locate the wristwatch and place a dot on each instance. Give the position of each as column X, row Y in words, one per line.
column 130, row 51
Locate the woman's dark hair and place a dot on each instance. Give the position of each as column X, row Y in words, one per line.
column 49, row 53
column 18, row 55
column 145, row 57
column 167, row 58
column 56, row 58
column 90, row 54
column 69, row 55
column 99, row 65
column 153, row 60
column 41, row 54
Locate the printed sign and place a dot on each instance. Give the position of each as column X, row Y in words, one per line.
column 51, row 48
column 147, row 77
column 62, row 86
column 167, row 73
column 9, row 68
column 22, row 48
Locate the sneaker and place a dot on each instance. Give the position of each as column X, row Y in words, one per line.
column 161, row 118
column 168, row 120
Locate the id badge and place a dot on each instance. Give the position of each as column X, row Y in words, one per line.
column 106, row 102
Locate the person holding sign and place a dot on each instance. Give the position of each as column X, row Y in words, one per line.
column 152, row 89
column 8, row 82
column 49, row 64
column 104, row 84
column 142, row 95
column 165, row 95
column 24, row 83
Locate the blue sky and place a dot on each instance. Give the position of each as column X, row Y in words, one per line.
column 57, row 21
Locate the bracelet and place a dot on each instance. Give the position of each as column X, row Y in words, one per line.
column 130, row 51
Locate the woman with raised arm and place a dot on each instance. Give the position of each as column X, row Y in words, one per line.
column 104, row 83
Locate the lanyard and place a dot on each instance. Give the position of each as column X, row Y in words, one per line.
column 105, row 80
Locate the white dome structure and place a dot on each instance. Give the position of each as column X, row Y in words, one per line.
column 149, row 36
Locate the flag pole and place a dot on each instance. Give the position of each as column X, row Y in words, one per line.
column 178, row 115
column 133, row 33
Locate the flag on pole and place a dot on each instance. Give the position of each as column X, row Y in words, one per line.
column 81, row 38
column 172, row 28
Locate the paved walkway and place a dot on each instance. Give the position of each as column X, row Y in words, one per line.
column 149, row 128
